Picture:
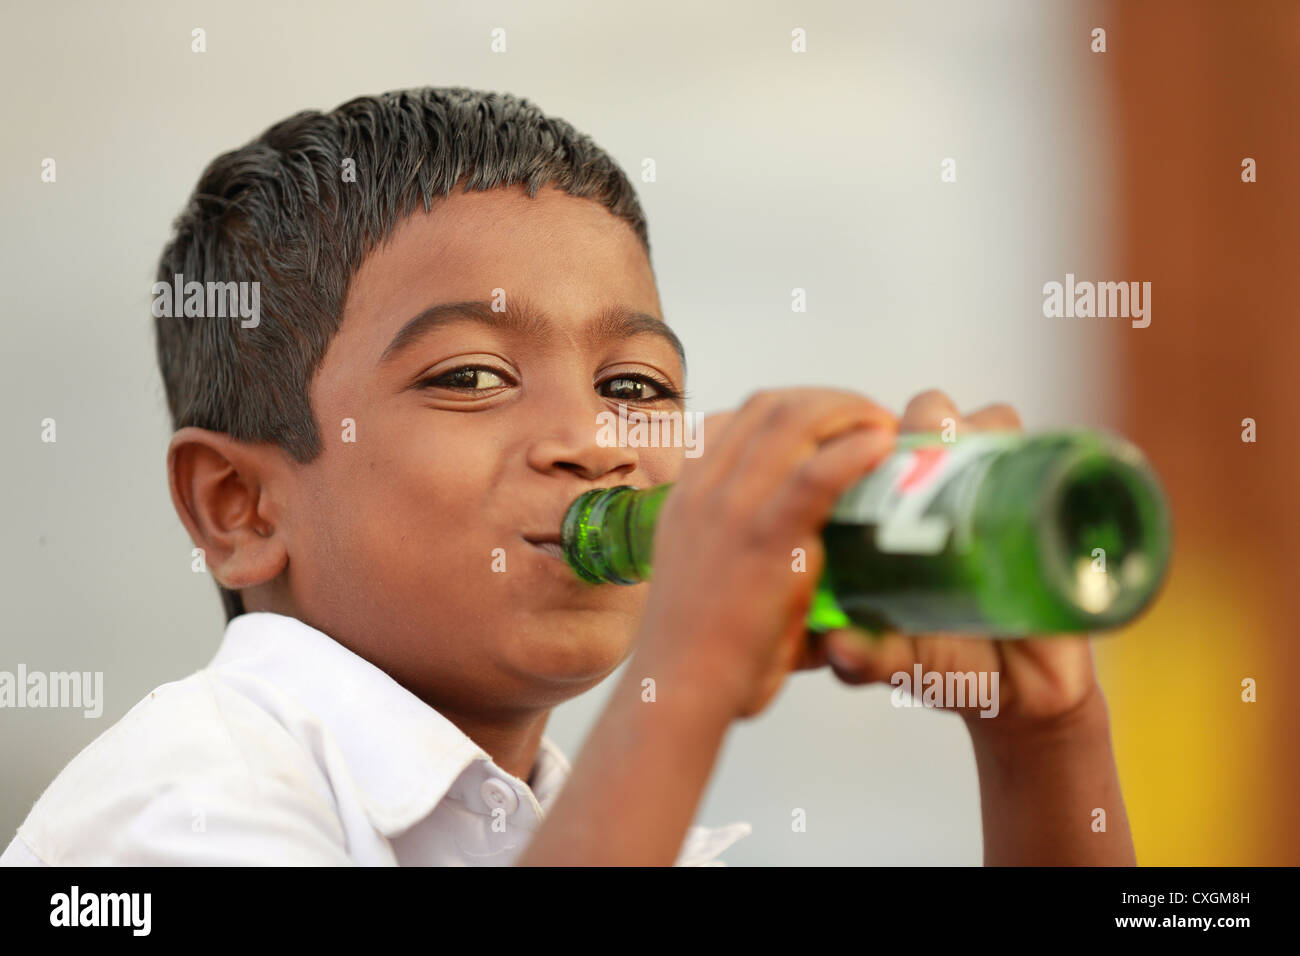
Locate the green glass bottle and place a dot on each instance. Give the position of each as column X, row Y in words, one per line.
column 996, row 533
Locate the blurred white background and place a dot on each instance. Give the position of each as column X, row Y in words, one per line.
column 775, row 170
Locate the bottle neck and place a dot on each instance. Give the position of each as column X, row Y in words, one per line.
column 608, row 533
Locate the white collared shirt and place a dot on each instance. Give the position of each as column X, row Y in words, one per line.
column 289, row 749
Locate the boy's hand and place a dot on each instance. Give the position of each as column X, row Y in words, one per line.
column 1045, row 762
column 1040, row 680
column 725, row 616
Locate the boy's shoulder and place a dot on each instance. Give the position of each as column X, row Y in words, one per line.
column 163, row 783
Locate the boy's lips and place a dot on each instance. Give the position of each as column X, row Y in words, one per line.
column 549, row 542
column 546, row 543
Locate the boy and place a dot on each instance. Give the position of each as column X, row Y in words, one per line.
column 452, row 287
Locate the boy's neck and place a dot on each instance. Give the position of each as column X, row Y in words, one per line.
column 512, row 744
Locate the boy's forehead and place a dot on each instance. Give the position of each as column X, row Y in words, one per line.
column 568, row 255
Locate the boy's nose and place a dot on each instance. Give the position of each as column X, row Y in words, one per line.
column 579, row 451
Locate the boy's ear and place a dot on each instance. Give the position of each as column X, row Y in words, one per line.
column 220, row 488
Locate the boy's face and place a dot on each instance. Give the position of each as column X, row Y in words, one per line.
column 473, row 437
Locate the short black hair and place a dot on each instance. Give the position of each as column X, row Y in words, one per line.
column 279, row 211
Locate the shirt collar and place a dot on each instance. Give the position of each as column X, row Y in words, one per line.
column 405, row 756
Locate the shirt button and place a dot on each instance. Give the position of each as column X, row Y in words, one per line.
column 497, row 793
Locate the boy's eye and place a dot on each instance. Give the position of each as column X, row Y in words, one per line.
column 470, row 377
column 635, row 388
column 628, row 387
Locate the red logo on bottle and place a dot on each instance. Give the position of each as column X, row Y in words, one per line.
column 925, row 462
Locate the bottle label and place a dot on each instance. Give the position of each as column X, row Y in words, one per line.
column 922, row 497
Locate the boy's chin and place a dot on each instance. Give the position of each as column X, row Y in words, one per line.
column 585, row 648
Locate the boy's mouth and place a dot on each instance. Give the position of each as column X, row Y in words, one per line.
column 547, row 544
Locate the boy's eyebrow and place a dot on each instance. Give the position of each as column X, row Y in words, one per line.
column 614, row 323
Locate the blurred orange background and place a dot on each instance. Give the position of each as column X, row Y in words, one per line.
column 1199, row 87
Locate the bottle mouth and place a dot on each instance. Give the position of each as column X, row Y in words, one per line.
column 1104, row 533
column 584, row 549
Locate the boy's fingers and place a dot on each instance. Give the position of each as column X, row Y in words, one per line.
column 860, row 658
column 828, row 474
column 736, row 433
column 998, row 416
column 926, row 412
column 795, row 430
column 715, row 436
column 716, row 423
column 814, row 651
